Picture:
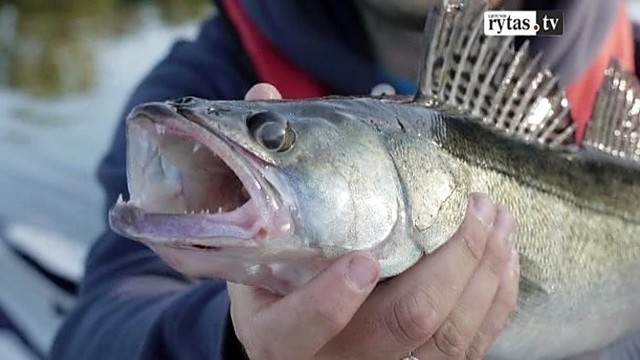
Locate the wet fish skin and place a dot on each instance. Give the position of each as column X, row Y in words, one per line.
column 578, row 225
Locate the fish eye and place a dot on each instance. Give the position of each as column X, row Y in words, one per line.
column 271, row 131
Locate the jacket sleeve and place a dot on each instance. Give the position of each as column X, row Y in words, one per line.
column 131, row 305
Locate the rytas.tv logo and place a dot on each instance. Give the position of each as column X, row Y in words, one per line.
column 524, row 23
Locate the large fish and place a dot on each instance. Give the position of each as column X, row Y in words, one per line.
column 268, row 192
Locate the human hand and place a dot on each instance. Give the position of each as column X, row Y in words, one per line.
column 451, row 304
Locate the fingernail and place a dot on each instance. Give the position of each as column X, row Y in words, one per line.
column 503, row 225
column 362, row 272
column 483, row 209
column 514, row 262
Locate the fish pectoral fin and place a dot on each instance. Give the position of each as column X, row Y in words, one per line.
column 615, row 121
column 486, row 78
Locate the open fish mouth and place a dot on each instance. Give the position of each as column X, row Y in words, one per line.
column 190, row 187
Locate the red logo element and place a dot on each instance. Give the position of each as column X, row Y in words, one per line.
column 536, row 27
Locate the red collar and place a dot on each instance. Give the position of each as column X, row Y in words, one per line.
column 582, row 93
column 270, row 64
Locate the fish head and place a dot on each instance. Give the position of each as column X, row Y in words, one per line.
column 264, row 193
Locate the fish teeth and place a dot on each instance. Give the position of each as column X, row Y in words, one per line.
column 120, row 199
column 160, row 129
column 196, row 147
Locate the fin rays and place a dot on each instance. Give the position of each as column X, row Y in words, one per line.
column 614, row 127
column 485, row 77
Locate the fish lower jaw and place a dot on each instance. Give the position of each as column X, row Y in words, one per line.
column 245, row 226
column 279, row 269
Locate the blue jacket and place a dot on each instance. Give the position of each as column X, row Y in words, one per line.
column 132, row 305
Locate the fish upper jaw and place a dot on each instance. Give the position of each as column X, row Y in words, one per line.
column 191, row 188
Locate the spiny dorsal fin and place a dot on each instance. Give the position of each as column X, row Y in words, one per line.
column 486, row 78
column 614, row 127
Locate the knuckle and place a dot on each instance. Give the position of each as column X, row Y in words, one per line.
column 257, row 343
column 473, row 246
column 332, row 318
column 449, row 340
column 496, row 259
column 477, row 349
column 412, row 319
column 484, row 339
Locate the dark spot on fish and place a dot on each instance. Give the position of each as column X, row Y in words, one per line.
column 205, row 247
column 375, row 125
column 217, row 111
column 262, row 233
column 402, row 128
column 187, row 100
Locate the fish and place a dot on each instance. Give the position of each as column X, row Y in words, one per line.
column 268, row 193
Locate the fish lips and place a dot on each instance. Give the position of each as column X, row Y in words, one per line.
column 169, row 153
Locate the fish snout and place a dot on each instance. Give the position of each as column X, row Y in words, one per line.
column 155, row 111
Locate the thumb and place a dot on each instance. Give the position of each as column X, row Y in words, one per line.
column 308, row 318
column 263, row 91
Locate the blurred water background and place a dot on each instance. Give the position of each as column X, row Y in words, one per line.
column 66, row 69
